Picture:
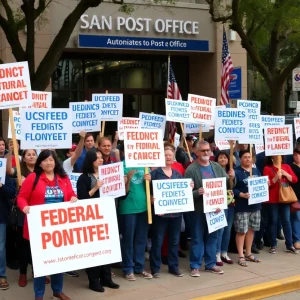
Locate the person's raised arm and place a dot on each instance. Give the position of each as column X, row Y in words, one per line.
column 79, row 148
column 115, row 142
column 9, row 169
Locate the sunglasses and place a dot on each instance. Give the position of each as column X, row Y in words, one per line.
column 205, row 150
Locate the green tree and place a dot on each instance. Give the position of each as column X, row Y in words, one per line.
column 269, row 31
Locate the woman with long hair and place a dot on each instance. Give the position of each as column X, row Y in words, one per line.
column 48, row 184
column 88, row 186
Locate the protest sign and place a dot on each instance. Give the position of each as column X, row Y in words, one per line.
column 46, row 128
column 41, row 100
column 72, row 236
column 272, row 121
column 15, row 87
column 195, row 128
column 111, row 106
column 215, row 194
column 297, row 127
column 202, row 109
column 2, row 170
column 144, row 148
column 231, row 124
column 253, row 108
column 215, row 221
column 172, row 196
column 113, row 177
column 127, row 124
column 17, row 121
column 152, row 121
column 176, row 140
column 85, row 116
column 74, row 178
column 258, row 188
column 222, row 145
column 259, row 148
column 178, row 111
column 279, row 140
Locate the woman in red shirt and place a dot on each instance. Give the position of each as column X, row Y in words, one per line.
column 47, row 184
column 277, row 173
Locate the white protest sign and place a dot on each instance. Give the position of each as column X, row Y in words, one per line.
column 72, row 236
column 279, row 140
column 178, row 111
column 258, row 188
column 272, row 121
column 111, row 106
column 41, row 100
column 202, row 109
column 176, row 140
column 152, row 121
column 253, row 108
column 259, row 148
column 297, row 127
column 255, row 134
column 46, row 128
column 113, row 177
column 195, row 128
column 127, row 124
column 74, row 178
column 222, row 145
column 15, row 87
column 2, row 170
column 215, row 221
column 85, row 116
column 231, row 124
column 172, row 196
column 215, row 194
column 17, row 121
column 144, row 148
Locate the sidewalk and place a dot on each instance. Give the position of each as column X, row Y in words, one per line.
column 168, row 287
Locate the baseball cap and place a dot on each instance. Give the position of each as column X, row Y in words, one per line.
column 74, row 146
column 190, row 138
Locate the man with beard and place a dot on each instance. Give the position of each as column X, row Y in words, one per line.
column 203, row 243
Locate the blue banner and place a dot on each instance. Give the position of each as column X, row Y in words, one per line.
column 121, row 42
column 235, row 86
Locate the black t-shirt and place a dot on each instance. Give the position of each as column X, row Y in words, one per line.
column 296, row 186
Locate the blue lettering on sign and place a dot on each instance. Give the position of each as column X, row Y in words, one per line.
column 121, row 42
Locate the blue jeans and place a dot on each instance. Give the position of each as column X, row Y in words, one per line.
column 295, row 221
column 2, row 251
column 160, row 226
column 134, row 229
column 202, row 243
column 225, row 233
column 281, row 211
column 56, row 284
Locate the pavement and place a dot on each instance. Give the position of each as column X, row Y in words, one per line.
column 287, row 296
column 168, row 287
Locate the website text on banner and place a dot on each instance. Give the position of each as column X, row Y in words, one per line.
column 144, row 148
column 202, row 109
column 41, row 100
column 127, row 124
column 258, row 188
column 111, row 106
column 178, row 111
column 215, row 221
column 85, row 116
column 74, row 178
column 17, row 121
column 152, row 121
column 272, row 121
column 2, row 170
column 67, row 236
column 15, row 87
column 46, row 129
column 215, row 194
column 231, row 124
column 172, row 196
column 195, row 128
column 113, row 177
column 297, row 127
column 279, row 140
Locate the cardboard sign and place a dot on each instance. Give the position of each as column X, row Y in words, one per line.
column 152, row 121
column 255, row 134
column 297, row 127
column 127, row 124
column 41, row 100
column 113, row 177
column 267, row 121
column 111, row 106
column 202, row 109
column 85, row 116
column 178, row 111
column 17, row 121
column 215, row 221
column 2, row 170
column 172, row 196
column 279, row 140
column 15, row 87
column 258, row 188
column 215, row 194
column 222, row 145
column 74, row 178
column 46, row 128
column 253, row 108
column 195, row 128
column 259, row 148
column 72, row 236
column 144, row 148
column 231, row 124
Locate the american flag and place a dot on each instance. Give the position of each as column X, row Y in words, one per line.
column 227, row 68
column 172, row 93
